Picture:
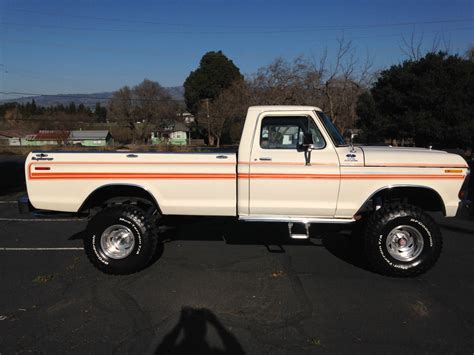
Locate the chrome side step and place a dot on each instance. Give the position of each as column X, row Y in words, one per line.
column 288, row 219
column 301, row 227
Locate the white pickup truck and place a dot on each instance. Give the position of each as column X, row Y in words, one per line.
column 292, row 166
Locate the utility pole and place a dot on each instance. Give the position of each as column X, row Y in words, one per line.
column 208, row 123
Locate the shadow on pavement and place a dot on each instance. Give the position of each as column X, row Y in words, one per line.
column 189, row 335
column 348, row 247
column 343, row 244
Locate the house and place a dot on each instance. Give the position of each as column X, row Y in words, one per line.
column 187, row 117
column 99, row 138
column 15, row 137
column 85, row 138
column 175, row 132
column 48, row 137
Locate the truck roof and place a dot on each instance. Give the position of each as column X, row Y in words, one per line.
column 284, row 108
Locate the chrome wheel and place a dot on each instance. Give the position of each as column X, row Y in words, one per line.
column 117, row 241
column 404, row 243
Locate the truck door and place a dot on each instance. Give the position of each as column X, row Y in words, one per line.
column 280, row 179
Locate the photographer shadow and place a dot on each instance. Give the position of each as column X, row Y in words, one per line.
column 189, row 336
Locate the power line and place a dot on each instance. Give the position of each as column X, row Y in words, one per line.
column 142, row 52
column 394, row 34
column 124, row 20
column 83, row 96
column 307, row 30
column 194, row 25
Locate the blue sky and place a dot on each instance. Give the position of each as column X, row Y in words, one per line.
column 92, row 46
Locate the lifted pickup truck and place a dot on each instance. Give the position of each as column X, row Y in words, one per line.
column 292, row 166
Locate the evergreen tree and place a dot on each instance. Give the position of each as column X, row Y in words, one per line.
column 216, row 72
column 430, row 100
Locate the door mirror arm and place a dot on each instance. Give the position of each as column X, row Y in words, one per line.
column 307, row 146
column 307, row 154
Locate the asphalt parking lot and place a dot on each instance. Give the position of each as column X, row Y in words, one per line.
column 221, row 287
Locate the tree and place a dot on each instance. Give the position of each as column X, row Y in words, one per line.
column 145, row 104
column 225, row 115
column 373, row 128
column 470, row 54
column 334, row 87
column 100, row 112
column 430, row 100
column 72, row 108
column 215, row 73
column 121, row 106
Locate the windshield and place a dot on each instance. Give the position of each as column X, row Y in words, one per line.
column 332, row 129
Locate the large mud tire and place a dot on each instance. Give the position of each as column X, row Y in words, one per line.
column 402, row 240
column 121, row 239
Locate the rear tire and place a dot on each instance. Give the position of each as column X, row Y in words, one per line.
column 121, row 239
column 402, row 240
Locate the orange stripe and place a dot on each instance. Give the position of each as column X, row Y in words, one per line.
column 415, row 165
column 394, row 165
column 45, row 176
column 400, row 176
column 290, row 176
column 135, row 162
column 347, row 176
column 284, row 163
column 121, row 163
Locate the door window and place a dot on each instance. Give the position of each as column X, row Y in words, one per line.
column 285, row 132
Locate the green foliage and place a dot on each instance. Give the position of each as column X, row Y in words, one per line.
column 216, row 72
column 430, row 100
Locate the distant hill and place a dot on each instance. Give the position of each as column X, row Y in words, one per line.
column 89, row 100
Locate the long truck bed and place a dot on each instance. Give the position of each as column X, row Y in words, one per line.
column 184, row 183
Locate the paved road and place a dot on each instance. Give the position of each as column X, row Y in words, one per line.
column 239, row 288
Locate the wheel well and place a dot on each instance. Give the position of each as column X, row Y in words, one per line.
column 118, row 194
column 423, row 197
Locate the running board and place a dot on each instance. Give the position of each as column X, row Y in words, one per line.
column 288, row 219
column 301, row 227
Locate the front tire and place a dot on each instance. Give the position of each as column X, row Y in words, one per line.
column 402, row 240
column 121, row 239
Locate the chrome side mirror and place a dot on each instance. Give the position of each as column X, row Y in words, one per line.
column 353, row 135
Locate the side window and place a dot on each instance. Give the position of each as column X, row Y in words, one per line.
column 318, row 140
column 285, row 132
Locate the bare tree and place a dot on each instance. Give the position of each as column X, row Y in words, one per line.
column 121, row 106
column 225, row 113
column 415, row 48
column 333, row 83
column 470, row 54
column 145, row 105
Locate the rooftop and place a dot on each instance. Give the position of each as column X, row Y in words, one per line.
column 98, row 134
column 50, row 135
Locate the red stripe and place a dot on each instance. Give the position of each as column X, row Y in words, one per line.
column 99, row 175
column 48, row 176
column 348, row 176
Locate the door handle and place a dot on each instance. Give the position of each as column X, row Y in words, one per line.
column 222, row 157
column 132, row 156
column 265, row 159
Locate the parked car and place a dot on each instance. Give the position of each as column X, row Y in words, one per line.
column 292, row 166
